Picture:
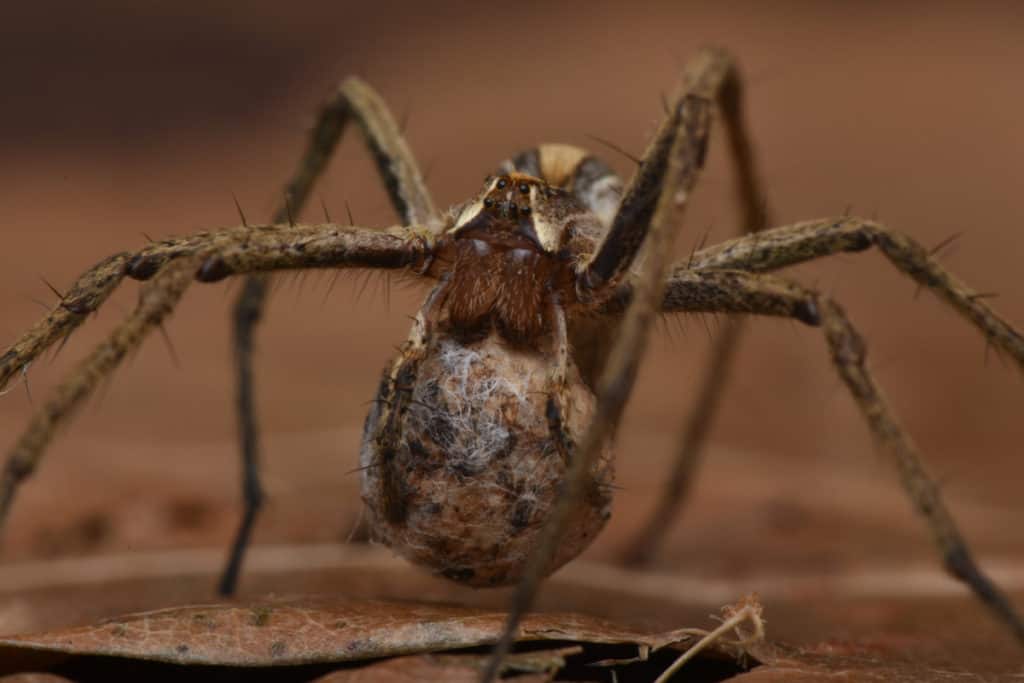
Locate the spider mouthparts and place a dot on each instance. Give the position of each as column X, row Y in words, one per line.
column 502, row 233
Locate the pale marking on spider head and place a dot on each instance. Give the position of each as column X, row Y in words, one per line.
column 519, row 199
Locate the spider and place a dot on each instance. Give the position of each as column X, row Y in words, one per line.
column 487, row 452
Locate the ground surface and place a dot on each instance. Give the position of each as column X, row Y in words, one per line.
column 122, row 121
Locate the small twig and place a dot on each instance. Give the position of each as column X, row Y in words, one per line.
column 748, row 609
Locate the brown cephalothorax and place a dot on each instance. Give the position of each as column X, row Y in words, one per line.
column 486, row 455
column 510, row 257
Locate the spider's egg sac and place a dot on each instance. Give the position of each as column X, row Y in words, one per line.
column 462, row 477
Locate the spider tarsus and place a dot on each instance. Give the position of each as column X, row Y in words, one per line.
column 961, row 565
column 16, row 470
column 247, row 313
column 254, row 497
column 228, row 584
column 8, row 485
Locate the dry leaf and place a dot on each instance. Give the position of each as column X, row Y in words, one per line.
column 331, row 630
column 313, row 630
column 855, row 662
column 530, row 667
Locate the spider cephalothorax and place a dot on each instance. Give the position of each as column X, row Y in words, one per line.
column 511, row 256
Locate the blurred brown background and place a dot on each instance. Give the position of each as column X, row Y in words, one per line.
column 124, row 118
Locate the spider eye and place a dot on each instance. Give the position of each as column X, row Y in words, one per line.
column 488, row 202
column 502, row 184
column 525, row 210
column 524, row 188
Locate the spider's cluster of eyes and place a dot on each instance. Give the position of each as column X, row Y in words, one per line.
column 510, row 206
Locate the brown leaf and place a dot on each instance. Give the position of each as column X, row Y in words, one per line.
column 848, row 661
column 530, row 667
column 316, row 630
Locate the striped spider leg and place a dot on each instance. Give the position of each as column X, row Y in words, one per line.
column 411, row 199
column 354, row 100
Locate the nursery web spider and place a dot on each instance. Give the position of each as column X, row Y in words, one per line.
column 486, row 456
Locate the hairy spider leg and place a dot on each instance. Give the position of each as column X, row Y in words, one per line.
column 789, row 245
column 745, row 292
column 754, row 216
column 410, row 197
column 651, row 208
column 170, row 266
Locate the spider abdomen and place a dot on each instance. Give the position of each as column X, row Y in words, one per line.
column 462, row 467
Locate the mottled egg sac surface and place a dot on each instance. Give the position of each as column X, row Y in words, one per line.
column 475, row 422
